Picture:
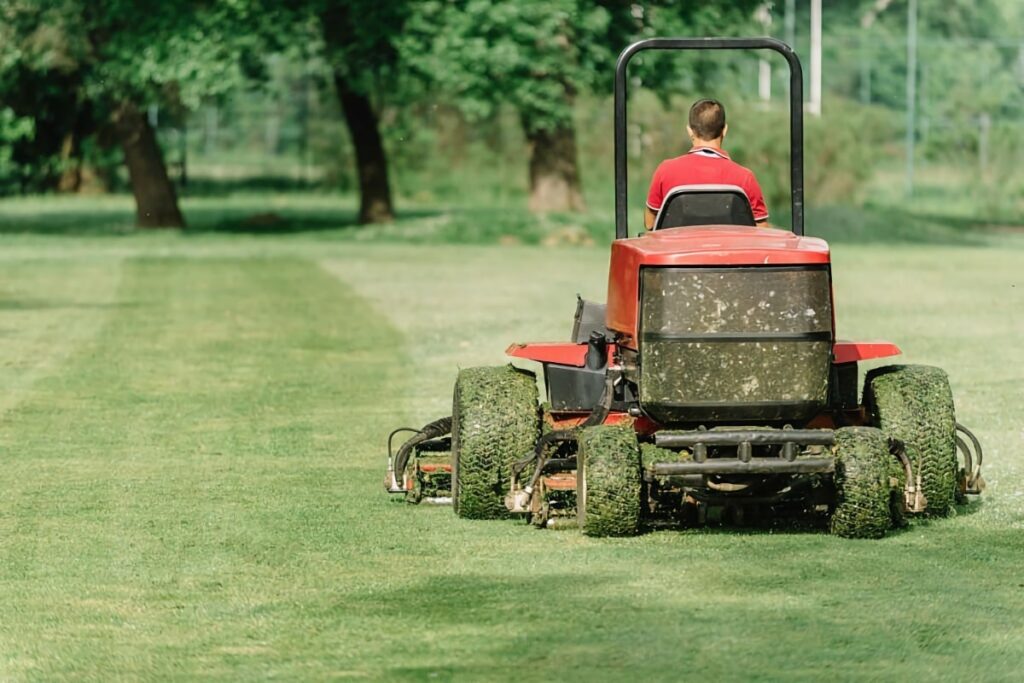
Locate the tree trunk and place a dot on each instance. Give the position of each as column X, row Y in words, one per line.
column 156, row 202
column 371, row 161
column 71, row 164
column 554, row 170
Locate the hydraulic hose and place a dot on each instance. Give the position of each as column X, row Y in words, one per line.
column 974, row 482
column 432, row 430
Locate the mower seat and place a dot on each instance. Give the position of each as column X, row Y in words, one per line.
column 688, row 205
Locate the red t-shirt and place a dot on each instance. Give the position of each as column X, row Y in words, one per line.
column 705, row 166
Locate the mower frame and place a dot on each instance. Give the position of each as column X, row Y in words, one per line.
column 796, row 115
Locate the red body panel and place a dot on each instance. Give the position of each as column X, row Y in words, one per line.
column 710, row 246
column 851, row 352
column 570, row 420
column 560, row 353
column 568, row 353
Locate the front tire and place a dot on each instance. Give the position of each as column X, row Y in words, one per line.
column 863, row 486
column 495, row 421
column 608, row 481
column 913, row 403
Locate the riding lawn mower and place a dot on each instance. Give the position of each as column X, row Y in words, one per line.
column 709, row 386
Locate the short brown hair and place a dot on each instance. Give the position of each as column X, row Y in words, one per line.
column 707, row 119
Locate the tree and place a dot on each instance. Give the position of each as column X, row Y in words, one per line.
column 142, row 53
column 535, row 56
column 110, row 60
column 156, row 200
column 359, row 40
column 13, row 130
column 40, row 82
column 539, row 57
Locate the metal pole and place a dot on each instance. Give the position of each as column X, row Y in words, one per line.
column 790, row 28
column 984, row 126
column 790, row 22
column 764, row 80
column 764, row 67
column 183, row 152
column 865, row 67
column 814, row 105
column 911, row 91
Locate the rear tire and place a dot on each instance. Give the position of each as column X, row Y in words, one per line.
column 495, row 421
column 608, row 481
column 913, row 403
column 862, row 479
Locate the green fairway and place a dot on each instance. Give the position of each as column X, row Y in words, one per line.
column 192, row 431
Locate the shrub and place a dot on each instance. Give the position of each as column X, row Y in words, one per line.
column 12, row 129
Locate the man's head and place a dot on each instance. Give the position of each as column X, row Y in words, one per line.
column 707, row 122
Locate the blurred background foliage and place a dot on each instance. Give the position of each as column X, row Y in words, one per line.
column 457, row 103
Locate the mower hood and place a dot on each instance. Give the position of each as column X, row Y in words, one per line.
column 725, row 245
column 715, row 246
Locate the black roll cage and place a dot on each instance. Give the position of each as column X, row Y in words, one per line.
column 796, row 114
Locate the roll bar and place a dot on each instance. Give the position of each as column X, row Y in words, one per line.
column 796, row 114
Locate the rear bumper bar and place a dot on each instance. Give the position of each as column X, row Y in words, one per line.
column 753, row 466
column 755, row 437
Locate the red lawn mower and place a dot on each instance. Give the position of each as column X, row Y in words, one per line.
column 710, row 386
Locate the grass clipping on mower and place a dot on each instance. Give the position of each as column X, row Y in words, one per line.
column 650, row 454
column 498, row 423
column 612, row 472
column 863, row 483
column 914, row 403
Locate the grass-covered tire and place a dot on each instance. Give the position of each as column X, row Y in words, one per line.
column 913, row 403
column 608, row 481
column 863, row 483
column 495, row 421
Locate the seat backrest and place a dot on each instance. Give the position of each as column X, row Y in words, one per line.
column 687, row 205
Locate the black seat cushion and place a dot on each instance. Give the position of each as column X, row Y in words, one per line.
column 689, row 205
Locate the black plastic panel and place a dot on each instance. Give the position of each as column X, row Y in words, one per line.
column 844, row 386
column 590, row 317
column 572, row 389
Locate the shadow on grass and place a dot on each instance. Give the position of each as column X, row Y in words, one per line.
column 276, row 184
column 794, row 605
column 243, row 215
column 49, row 304
column 290, row 221
column 891, row 224
column 272, row 212
column 97, row 221
column 63, row 218
column 795, row 522
column 284, row 222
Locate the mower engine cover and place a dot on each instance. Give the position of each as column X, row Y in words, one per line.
column 731, row 323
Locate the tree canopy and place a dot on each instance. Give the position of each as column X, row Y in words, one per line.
column 84, row 68
column 78, row 78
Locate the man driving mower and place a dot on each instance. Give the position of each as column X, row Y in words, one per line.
column 705, row 164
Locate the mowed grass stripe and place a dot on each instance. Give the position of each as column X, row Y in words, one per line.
column 48, row 309
column 180, row 497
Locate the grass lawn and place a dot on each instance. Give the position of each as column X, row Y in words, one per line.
column 192, row 436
